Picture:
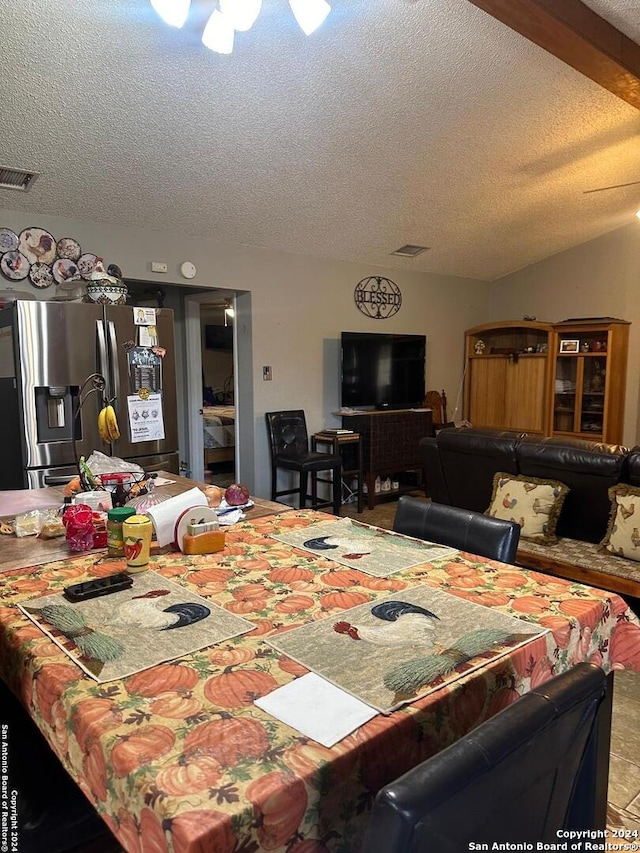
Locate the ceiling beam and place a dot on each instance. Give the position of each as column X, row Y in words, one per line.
column 578, row 36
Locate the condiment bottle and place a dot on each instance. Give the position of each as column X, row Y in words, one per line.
column 115, row 538
column 137, row 530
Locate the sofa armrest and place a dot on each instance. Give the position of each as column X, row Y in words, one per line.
column 435, row 486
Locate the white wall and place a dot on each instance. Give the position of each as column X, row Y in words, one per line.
column 600, row 278
column 299, row 306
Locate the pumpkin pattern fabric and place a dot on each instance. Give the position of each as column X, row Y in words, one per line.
column 178, row 759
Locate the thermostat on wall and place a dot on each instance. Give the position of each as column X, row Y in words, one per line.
column 188, row 269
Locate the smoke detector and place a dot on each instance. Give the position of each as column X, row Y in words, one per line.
column 410, row 251
column 16, row 179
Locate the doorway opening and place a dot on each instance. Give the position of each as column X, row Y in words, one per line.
column 228, row 359
column 218, row 394
column 241, row 408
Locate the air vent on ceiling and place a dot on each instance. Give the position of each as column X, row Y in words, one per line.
column 16, row 179
column 410, row 251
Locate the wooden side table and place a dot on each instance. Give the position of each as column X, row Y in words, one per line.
column 336, row 441
column 390, row 446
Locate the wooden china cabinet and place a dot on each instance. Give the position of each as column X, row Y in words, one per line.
column 556, row 379
column 507, row 375
column 587, row 390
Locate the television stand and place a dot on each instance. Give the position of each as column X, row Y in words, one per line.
column 390, row 446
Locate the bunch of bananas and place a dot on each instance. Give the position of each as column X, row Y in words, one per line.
column 108, row 424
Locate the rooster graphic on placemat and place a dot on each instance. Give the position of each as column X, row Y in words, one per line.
column 402, row 624
column 413, row 625
column 142, row 611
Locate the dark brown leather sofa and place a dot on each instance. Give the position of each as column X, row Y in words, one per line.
column 459, row 465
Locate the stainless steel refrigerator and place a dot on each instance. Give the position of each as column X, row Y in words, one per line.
column 47, row 351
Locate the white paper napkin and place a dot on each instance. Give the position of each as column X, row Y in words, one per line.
column 230, row 517
column 317, row 709
column 165, row 515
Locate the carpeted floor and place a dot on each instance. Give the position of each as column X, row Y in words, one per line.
column 381, row 515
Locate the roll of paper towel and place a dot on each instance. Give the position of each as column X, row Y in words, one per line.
column 165, row 515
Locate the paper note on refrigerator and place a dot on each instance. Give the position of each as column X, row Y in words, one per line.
column 145, row 418
column 144, row 316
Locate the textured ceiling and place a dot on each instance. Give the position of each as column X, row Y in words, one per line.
column 399, row 121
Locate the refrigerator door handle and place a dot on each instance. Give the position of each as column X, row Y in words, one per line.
column 103, row 361
column 113, row 357
column 60, row 480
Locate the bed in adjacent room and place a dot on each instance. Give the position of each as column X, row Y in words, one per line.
column 219, row 428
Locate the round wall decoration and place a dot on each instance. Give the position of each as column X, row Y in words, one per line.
column 68, row 248
column 14, row 266
column 41, row 275
column 8, row 240
column 377, row 297
column 37, row 245
column 35, row 254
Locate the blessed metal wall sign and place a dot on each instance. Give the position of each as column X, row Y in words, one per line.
column 377, row 297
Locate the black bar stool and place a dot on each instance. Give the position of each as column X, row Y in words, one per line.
column 289, row 442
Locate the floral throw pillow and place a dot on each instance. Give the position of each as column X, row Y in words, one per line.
column 533, row 503
column 623, row 532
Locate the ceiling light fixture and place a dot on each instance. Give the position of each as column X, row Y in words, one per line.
column 309, row 13
column 218, row 34
column 233, row 16
column 241, row 14
column 172, row 12
column 638, row 213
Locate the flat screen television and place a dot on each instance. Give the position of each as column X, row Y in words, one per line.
column 218, row 337
column 382, row 371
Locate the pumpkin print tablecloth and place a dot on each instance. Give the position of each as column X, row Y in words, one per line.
column 178, row 758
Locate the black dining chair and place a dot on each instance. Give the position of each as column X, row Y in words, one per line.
column 494, row 538
column 289, row 445
column 53, row 814
column 521, row 776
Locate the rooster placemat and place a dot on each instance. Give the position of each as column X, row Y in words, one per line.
column 397, row 649
column 361, row 546
column 153, row 621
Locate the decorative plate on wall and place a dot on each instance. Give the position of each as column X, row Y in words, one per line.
column 68, row 248
column 14, row 265
column 86, row 264
column 64, row 269
column 35, row 253
column 37, row 245
column 41, row 275
column 8, row 240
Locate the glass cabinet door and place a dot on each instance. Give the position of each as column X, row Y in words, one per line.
column 587, row 381
column 593, row 384
column 565, row 395
column 580, row 383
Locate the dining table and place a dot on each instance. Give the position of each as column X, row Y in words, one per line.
column 178, row 757
column 17, row 553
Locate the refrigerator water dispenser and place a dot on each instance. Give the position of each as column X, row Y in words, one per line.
column 55, row 407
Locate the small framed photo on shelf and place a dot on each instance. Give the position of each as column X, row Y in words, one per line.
column 569, row 346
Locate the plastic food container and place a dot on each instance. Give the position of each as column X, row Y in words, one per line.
column 115, row 536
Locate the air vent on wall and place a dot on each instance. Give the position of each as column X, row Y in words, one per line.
column 410, row 251
column 16, row 179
